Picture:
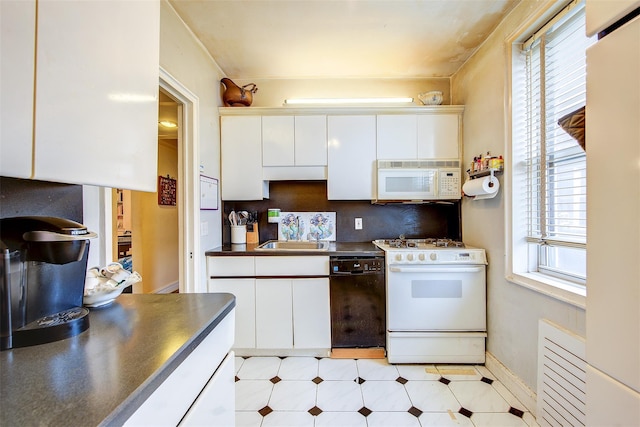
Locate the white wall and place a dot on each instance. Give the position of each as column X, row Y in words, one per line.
column 513, row 311
column 273, row 92
column 183, row 56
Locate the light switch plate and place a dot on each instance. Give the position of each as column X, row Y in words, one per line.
column 358, row 224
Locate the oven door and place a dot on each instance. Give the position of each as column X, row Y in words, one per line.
column 436, row 298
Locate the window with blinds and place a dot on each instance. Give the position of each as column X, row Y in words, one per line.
column 556, row 163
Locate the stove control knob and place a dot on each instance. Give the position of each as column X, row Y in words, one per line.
column 410, row 257
column 421, row 257
column 398, row 257
column 433, row 256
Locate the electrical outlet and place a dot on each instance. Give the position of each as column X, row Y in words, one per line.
column 358, row 223
column 204, row 228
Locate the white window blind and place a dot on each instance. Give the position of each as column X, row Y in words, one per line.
column 556, row 164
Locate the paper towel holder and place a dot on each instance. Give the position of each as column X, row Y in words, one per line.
column 485, row 172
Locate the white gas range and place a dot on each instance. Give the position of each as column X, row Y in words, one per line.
column 436, row 301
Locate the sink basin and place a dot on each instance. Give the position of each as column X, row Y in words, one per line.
column 293, row 245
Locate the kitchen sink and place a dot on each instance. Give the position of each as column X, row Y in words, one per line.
column 293, row 245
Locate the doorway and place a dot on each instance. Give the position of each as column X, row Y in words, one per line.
column 147, row 224
column 187, row 181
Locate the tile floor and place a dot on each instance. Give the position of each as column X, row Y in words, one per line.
column 309, row 391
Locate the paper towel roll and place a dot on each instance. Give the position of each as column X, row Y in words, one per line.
column 482, row 188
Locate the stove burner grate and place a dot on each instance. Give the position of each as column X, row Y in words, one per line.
column 402, row 243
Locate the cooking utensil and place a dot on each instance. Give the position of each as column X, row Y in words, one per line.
column 233, row 218
column 242, row 217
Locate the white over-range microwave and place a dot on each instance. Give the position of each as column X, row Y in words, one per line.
column 418, row 180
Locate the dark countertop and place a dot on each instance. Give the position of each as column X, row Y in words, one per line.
column 106, row 372
column 335, row 249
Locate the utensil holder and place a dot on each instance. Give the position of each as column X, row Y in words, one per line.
column 238, row 234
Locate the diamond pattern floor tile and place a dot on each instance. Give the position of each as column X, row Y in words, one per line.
column 323, row 392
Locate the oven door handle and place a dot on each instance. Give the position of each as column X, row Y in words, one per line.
column 421, row 269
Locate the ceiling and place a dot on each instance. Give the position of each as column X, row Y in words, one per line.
column 304, row 39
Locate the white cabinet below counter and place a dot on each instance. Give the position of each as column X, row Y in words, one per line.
column 101, row 115
column 282, row 302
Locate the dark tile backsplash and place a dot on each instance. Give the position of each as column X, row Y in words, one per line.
column 379, row 221
column 22, row 197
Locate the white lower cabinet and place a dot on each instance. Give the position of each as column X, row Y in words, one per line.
column 311, row 317
column 275, row 311
column 244, row 291
column 293, row 313
column 190, row 393
column 216, row 404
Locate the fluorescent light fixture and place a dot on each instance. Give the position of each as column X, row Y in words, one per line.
column 338, row 101
column 168, row 124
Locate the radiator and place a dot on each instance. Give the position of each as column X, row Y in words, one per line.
column 561, row 377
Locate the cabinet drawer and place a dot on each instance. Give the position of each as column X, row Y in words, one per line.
column 173, row 398
column 215, row 407
column 292, row 266
column 231, row 266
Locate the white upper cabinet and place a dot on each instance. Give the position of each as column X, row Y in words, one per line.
column 294, row 147
column 278, row 141
column 418, row 136
column 340, row 145
column 397, row 136
column 439, row 136
column 18, row 24
column 603, row 13
column 311, row 140
column 241, row 151
column 294, row 140
column 352, row 156
column 94, row 119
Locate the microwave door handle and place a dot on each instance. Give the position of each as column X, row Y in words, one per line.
column 435, row 270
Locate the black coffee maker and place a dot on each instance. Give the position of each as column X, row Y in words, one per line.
column 43, row 269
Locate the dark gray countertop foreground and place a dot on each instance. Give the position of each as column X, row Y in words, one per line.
column 106, row 372
column 335, row 249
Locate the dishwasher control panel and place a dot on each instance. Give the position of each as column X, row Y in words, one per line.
column 345, row 265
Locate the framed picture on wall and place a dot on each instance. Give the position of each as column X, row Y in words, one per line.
column 208, row 193
column 166, row 191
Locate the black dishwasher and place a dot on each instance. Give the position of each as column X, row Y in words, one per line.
column 358, row 313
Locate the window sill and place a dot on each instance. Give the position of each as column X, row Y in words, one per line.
column 554, row 288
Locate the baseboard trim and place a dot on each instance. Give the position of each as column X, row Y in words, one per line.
column 512, row 382
column 169, row 288
column 358, row 353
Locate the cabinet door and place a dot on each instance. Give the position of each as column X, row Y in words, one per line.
column 244, row 291
column 311, row 317
column 311, row 140
column 397, row 136
column 171, row 400
column 613, row 93
column 274, row 321
column 241, row 154
column 17, row 47
column 96, row 107
column 438, row 136
column 352, row 156
column 277, row 140
column 215, row 407
column 601, row 13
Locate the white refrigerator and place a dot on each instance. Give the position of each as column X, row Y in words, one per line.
column 613, row 217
